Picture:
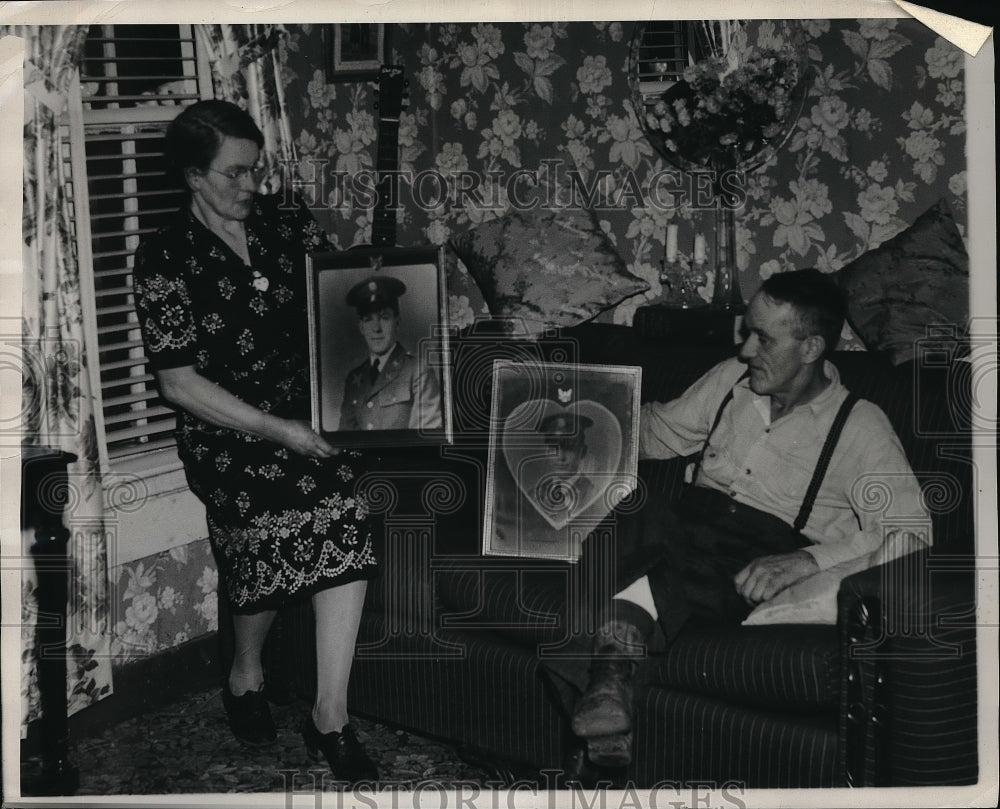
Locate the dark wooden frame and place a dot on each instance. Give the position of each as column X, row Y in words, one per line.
column 339, row 68
column 335, row 346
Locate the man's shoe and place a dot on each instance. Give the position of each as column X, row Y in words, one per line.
column 578, row 772
column 613, row 750
column 605, row 708
column 249, row 717
column 343, row 752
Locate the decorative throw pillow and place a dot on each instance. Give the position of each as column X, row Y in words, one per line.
column 919, row 278
column 546, row 268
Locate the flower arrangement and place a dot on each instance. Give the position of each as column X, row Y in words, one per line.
column 733, row 102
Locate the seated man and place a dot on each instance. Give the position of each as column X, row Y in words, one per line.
column 777, row 494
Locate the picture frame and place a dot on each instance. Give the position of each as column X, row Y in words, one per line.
column 354, row 51
column 409, row 400
column 563, row 453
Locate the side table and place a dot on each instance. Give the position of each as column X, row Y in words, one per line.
column 44, row 492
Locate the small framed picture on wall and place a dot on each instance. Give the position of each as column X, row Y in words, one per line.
column 355, row 51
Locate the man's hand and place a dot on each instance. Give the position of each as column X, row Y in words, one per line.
column 769, row 575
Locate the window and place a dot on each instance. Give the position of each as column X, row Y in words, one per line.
column 664, row 50
column 133, row 80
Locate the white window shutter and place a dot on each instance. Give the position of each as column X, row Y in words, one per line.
column 133, row 80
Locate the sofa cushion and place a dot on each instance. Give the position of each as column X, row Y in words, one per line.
column 788, row 667
column 521, row 599
column 546, row 268
column 524, row 601
column 919, row 278
column 696, row 738
column 927, row 400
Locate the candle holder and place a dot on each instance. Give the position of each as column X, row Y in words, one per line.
column 727, row 284
column 682, row 282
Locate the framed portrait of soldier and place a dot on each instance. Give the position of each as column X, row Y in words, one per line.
column 563, row 453
column 379, row 348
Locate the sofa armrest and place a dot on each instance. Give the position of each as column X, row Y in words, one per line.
column 908, row 666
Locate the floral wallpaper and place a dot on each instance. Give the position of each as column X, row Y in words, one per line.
column 879, row 139
column 163, row 600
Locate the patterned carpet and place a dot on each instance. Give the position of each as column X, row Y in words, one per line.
column 187, row 748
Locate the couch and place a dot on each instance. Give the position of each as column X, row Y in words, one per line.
column 451, row 639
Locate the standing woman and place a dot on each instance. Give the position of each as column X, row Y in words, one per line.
column 220, row 295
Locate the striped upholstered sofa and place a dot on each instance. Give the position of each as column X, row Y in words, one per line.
column 451, row 639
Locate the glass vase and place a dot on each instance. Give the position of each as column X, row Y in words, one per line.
column 727, row 283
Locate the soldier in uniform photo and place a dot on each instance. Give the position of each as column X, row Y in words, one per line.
column 565, row 491
column 390, row 389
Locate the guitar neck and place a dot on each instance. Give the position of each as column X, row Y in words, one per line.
column 387, row 158
column 391, row 95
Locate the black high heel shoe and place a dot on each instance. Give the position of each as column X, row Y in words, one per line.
column 249, row 716
column 343, row 752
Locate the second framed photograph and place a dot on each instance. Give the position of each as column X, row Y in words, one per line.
column 563, row 452
column 379, row 349
column 354, row 51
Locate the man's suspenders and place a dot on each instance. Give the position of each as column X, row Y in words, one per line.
column 825, row 455
column 822, row 463
column 715, row 423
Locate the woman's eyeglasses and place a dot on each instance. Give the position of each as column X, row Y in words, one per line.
column 255, row 173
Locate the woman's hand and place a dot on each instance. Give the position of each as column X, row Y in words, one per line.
column 301, row 438
column 186, row 388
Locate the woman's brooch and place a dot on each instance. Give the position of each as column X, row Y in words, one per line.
column 260, row 282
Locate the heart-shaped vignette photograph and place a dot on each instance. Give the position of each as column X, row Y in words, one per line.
column 563, row 453
column 561, row 483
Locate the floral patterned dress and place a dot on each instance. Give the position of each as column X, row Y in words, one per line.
column 282, row 526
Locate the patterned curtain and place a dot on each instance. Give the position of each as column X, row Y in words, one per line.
column 58, row 403
column 246, row 69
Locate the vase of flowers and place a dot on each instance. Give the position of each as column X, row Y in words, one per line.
column 735, row 104
column 730, row 109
